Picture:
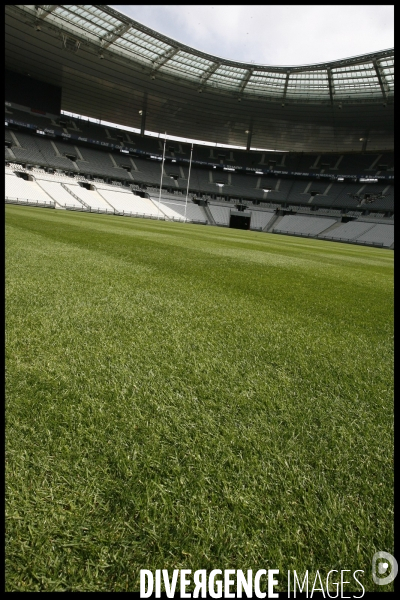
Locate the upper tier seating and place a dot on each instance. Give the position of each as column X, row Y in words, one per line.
column 367, row 163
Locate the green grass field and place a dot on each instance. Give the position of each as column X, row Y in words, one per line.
column 182, row 396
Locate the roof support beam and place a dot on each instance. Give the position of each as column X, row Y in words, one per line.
column 210, row 71
column 249, row 134
column 143, row 114
column 286, row 87
column 331, row 85
column 114, row 35
column 163, row 58
column 44, row 10
column 381, row 78
column 364, row 141
column 245, row 80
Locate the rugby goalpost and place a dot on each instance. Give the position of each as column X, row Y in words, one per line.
column 162, row 172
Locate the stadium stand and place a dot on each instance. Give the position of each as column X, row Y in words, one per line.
column 193, row 212
column 220, row 214
column 26, row 149
column 337, row 197
column 27, row 191
column 260, row 219
column 303, row 225
column 33, row 149
column 378, row 234
column 349, row 231
column 89, row 198
column 126, row 202
column 377, row 215
column 368, row 164
column 328, row 211
column 59, row 194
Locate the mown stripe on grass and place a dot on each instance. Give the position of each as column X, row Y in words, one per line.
column 171, row 407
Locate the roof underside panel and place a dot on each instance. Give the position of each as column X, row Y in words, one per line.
column 111, row 67
column 183, row 63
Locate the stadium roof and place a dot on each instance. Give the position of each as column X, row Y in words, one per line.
column 325, row 107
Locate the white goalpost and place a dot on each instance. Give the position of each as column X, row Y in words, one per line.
column 187, row 189
column 162, row 171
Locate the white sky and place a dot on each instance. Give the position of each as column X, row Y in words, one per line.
column 285, row 35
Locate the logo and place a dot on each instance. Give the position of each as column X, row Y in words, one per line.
column 384, row 563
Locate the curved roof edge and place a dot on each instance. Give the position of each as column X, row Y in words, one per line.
column 368, row 77
column 233, row 63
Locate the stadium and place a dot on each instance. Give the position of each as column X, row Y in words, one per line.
column 199, row 307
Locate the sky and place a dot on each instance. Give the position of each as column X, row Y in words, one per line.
column 284, row 35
